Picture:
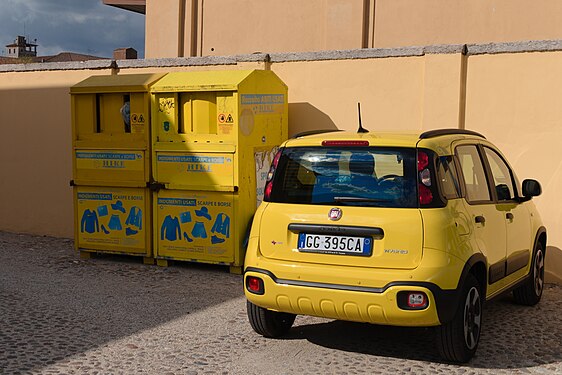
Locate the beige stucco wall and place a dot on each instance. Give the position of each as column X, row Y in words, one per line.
column 163, row 28
column 177, row 28
column 510, row 97
column 247, row 26
column 427, row 22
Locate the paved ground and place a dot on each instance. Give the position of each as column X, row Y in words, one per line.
column 112, row 315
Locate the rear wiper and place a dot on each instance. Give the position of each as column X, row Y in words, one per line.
column 359, row 199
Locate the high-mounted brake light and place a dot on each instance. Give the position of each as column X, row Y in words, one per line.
column 270, row 174
column 346, row 143
column 424, row 179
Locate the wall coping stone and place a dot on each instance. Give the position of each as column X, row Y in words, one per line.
column 353, row 54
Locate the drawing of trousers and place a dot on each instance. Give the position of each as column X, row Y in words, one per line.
column 199, row 230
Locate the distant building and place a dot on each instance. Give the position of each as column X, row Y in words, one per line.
column 23, row 52
column 21, row 48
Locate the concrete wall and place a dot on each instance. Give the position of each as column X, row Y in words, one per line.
column 177, row 28
column 509, row 92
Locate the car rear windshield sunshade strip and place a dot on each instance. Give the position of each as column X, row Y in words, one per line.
column 378, row 233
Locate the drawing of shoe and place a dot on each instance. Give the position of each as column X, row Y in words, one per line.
column 104, row 229
column 216, row 240
column 130, row 231
column 186, row 237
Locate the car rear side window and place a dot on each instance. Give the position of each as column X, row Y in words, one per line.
column 473, row 174
column 355, row 176
column 447, row 173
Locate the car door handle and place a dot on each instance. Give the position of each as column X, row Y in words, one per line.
column 480, row 219
column 509, row 216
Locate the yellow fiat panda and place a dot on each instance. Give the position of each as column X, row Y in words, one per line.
column 393, row 228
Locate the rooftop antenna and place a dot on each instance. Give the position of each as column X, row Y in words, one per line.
column 361, row 128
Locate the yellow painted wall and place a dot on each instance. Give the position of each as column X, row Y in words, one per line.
column 511, row 98
column 35, row 151
column 516, row 101
column 400, row 93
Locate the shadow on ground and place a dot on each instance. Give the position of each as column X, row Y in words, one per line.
column 54, row 305
column 513, row 336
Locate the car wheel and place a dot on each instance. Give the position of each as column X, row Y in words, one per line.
column 531, row 291
column 269, row 323
column 458, row 339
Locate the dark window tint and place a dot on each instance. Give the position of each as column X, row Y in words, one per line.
column 448, row 177
column 503, row 179
column 354, row 176
column 473, row 174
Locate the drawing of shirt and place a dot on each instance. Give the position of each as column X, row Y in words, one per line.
column 115, row 223
column 222, row 225
column 89, row 222
column 135, row 217
column 170, row 229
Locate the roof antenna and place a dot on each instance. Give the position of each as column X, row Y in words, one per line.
column 361, row 128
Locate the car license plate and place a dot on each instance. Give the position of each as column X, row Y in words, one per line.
column 341, row 245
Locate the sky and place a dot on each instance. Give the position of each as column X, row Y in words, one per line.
column 80, row 26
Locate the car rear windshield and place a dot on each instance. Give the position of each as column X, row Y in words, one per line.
column 354, row 176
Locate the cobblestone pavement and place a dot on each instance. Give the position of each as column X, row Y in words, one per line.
column 60, row 314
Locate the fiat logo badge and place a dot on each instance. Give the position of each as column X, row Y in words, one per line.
column 335, row 214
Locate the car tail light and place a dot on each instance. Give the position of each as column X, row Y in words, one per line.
column 410, row 300
column 346, row 143
column 255, row 285
column 270, row 174
column 424, row 179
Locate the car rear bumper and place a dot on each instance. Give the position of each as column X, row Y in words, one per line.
column 352, row 302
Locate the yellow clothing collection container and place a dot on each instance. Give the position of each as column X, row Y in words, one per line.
column 173, row 166
column 214, row 135
column 111, row 164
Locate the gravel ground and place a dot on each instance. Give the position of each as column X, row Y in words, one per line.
column 60, row 314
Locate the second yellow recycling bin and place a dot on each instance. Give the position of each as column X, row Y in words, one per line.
column 214, row 135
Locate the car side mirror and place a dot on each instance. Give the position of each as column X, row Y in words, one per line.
column 531, row 188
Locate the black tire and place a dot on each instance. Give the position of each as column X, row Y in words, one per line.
column 457, row 340
column 530, row 292
column 269, row 323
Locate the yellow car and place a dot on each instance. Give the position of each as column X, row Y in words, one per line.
column 393, row 228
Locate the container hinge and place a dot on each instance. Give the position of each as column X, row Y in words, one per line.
column 71, row 183
column 155, row 186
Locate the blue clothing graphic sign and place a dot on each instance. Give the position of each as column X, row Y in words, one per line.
column 197, row 226
column 111, row 217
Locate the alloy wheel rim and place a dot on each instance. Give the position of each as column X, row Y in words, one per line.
column 538, row 272
column 472, row 318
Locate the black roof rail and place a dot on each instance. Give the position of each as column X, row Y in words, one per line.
column 439, row 132
column 314, row 132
